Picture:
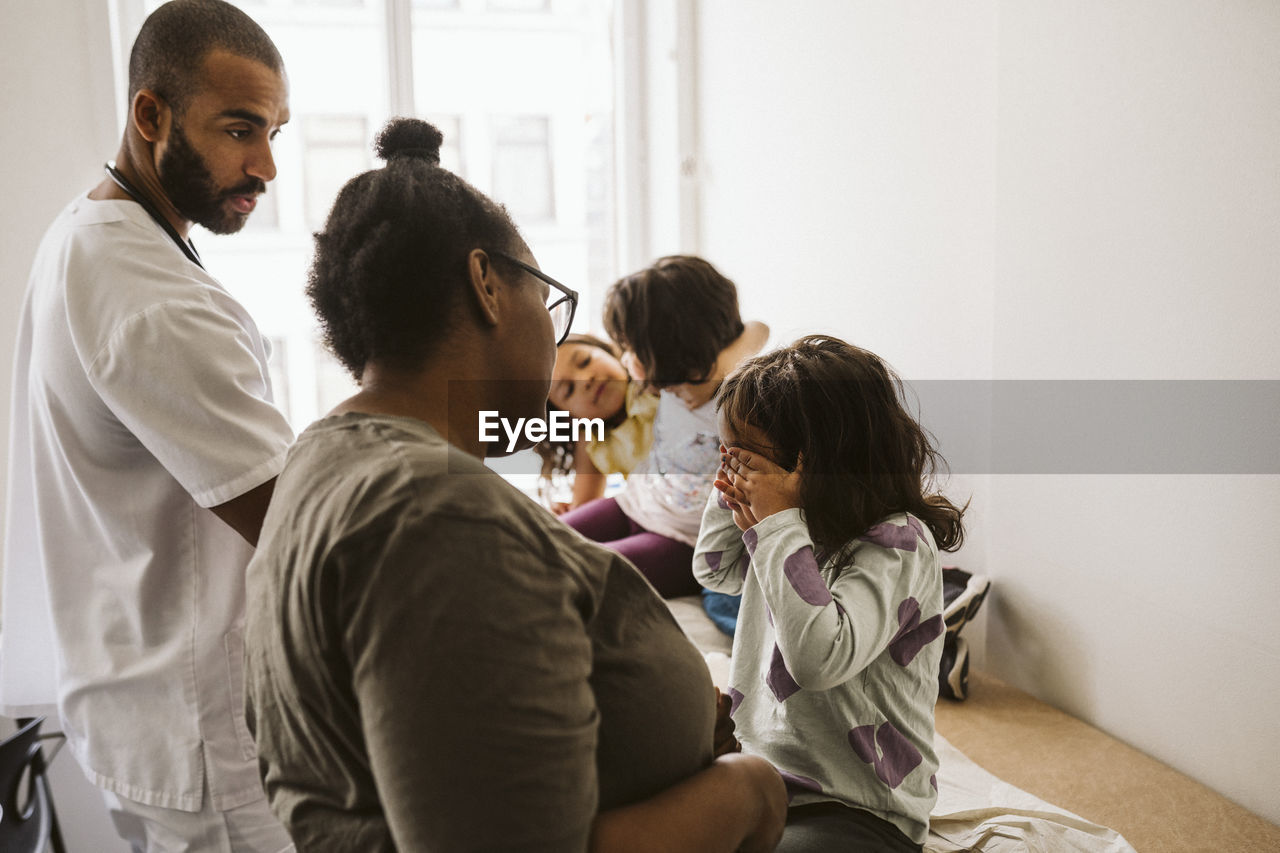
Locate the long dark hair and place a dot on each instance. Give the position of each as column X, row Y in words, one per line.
column 838, row 411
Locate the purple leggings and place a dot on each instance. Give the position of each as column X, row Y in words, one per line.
column 667, row 563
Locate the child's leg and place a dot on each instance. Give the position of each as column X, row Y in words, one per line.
column 836, row 828
column 723, row 609
column 600, row 521
column 667, row 564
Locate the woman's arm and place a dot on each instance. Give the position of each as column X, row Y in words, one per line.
column 471, row 669
column 739, row 803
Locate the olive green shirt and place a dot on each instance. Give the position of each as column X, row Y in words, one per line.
column 436, row 663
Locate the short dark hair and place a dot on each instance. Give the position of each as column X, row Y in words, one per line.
column 174, row 40
column 676, row 315
column 837, row 410
column 393, row 257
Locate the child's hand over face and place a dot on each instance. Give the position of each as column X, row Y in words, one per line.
column 755, row 487
column 733, row 497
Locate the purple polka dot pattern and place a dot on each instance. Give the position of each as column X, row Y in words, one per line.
column 887, row 750
column 713, row 560
column 720, row 501
column 750, row 538
column 801, row 570
column 933, row 780
column 735, row 699
column 796, row 783
column 888, row 535
column 913, row 635
column 778, row 679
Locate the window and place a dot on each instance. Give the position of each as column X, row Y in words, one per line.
column 266, row 216
column 278, row 369
column 451, row 148
column 334, row 150
column 525, row 103
column 522, row 167
column 518, row 5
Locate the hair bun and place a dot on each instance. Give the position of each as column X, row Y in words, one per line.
column 409, row 137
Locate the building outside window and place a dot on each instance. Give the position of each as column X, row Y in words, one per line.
column 519, row 5
column 522, row 167
column 451, row 148
column 334, row 149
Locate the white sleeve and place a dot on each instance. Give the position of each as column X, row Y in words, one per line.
column 185, row 379
column 720, row 559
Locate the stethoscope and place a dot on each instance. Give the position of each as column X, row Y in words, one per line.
column 188, row 248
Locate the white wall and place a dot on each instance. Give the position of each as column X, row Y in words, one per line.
column 1138, row 236
column 59, row 116
column 848, row 163
column 56, row 96
column 1032, row 189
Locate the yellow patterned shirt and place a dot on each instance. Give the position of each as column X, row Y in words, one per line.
column 625, row 445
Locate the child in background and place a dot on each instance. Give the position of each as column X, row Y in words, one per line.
column 823, row 521
column 589, row 381
column 678, row 323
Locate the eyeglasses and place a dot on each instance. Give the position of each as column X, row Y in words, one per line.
column 562, row 306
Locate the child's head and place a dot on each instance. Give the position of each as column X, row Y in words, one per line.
column 588, row 380
column 675, row 316
column 837, row 411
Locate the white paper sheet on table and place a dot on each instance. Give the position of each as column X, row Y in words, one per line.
column 978, row 811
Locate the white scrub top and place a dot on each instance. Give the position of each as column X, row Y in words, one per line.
column 140, row 398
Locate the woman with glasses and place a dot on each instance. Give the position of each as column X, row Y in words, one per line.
column 434, row 662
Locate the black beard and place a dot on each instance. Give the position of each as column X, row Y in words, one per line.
column 189, row 185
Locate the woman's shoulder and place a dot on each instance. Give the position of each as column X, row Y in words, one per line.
column 370, row 467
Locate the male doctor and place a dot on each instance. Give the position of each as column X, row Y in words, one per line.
column 144, row 447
